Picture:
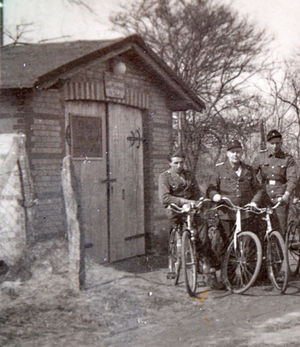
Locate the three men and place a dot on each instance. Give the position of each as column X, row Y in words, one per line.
column 277, row 171
column 238, row 182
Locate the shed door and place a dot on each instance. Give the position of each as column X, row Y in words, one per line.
column 127, row 188
column 86, row 121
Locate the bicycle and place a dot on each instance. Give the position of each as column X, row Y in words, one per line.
column 243, row 257
column 276, row 251
column 292, row 240
column 182, row 246
column 242, row 262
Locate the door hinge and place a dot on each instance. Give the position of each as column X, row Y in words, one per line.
column 137, row 236
column 135, row 137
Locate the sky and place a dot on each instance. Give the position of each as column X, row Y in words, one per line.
column 58, row 19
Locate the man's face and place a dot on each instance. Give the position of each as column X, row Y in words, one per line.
column 234, row 155
column 176, row 164
column 274, row 145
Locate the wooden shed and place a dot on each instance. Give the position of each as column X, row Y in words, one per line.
column 108, row 104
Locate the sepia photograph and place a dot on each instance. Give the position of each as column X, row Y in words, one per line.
column 150, row 173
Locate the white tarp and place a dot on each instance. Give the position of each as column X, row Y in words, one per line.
column 15, row 185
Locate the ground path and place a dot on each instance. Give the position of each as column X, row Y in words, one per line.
column 132, row 304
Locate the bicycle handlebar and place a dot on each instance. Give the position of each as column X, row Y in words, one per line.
column 247, row 207
column 230, row 205
column 259, row 210
column 191, row 206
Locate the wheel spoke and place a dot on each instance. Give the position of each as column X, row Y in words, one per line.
column 189, row 263
column 241, row 266
column 293, row 248
column 277, row 261
column 174, row 256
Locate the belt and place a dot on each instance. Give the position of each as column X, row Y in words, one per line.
column 273, row 182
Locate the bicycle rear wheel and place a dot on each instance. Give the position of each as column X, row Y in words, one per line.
column 293, row 248
column 277, row 262
column 242, row 264
column 189, row 263
column 174, row 256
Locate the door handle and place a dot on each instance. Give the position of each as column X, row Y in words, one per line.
column 109, row 180
column 123, row 194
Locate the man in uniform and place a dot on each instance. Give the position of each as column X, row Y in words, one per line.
column 237, row 181
column 277, row 171
column 179, row 186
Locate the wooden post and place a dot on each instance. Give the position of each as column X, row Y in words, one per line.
column 75, row 242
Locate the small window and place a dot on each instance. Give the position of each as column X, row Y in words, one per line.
column 86, row 137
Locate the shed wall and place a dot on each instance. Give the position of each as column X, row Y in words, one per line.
column 40, row 115
column 46, row 147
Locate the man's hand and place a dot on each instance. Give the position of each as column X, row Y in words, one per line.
column 217, row 198
column 252, row 204
column 186, row 207
column 284, row 199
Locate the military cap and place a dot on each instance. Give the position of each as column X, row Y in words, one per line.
column 273, row 133
column 233, row 144
column 176, row 153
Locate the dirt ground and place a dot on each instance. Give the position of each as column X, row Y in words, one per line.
column 131, row 303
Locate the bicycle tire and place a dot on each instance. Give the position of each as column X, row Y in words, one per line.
column 189, row 263
column 292, row 242
column 241, row 266
column 174, row 256
column 277, row 262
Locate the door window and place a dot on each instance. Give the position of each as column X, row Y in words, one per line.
column 86, row 135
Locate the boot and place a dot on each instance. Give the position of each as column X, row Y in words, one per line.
column 213, row 283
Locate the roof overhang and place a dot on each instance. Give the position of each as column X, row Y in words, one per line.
column 180, row 96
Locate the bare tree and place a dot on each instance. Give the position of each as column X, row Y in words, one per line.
column 283, row 103
column 19, row 34
column 81, row 3
column 215, row 52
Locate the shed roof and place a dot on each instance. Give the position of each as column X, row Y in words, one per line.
column 29, row 65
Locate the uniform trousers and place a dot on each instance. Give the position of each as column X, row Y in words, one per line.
column 279, row 219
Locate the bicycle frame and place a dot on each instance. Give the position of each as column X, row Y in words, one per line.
column 189, row 222
column 240, row 266
column 190, row 213
column 268, row 220
column 268, row 211
column 189, row 257
column 238, row 219
column 238, row 227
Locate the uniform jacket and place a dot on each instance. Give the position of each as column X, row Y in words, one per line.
column 277, row 172
column 172, row 187
column 239, row 189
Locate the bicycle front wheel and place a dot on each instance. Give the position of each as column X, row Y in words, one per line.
column 242, row 263
column 189, row 263
column 277, row 262
column 293, row 248
column 174, row 256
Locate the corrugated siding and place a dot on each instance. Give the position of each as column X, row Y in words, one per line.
column 94, row 90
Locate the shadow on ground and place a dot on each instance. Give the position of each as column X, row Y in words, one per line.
column 141, row 264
